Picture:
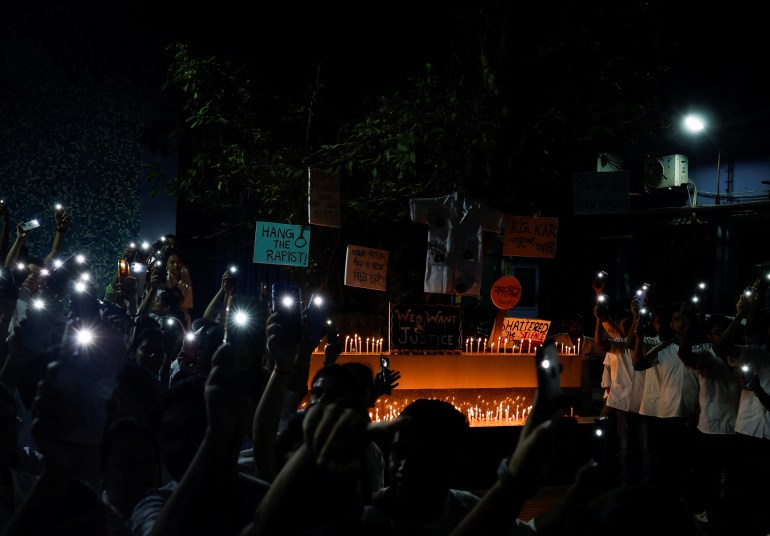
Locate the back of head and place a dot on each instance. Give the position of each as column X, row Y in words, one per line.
column 137, row 395
column 436, row 419
column 334, row 382
column 184, row 422
column 365, row 380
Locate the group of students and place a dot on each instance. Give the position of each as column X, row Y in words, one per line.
column 159, row 424
column 687, row 395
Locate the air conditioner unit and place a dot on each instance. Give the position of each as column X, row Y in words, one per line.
column 666, row 172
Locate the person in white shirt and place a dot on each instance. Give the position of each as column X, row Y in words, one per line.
column 669, row 399
column 624, row 387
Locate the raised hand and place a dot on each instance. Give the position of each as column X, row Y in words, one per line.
column 62, row 220
column 282, row 349
column 385, row 383
column 225, row 396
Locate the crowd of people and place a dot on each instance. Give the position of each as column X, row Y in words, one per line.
column 121, row 414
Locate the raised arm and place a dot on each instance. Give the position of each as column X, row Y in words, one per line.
column 267, row 416
column 728, row 343
column 62, row 220
column 207, row 499
column 13, row 253
column 217, row 303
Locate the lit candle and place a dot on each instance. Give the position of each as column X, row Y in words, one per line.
column 529, row 346
column 578, row 347
column 466, row 345
column 478, row 345
column 367, row 345
column 485, row 344
column 492, row 348
column 358, row 345
column 347, row 338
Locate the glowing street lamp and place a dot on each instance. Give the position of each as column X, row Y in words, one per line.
column 696, row 124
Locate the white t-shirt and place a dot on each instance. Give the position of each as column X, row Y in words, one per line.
column 753, row 418
column 626, row 384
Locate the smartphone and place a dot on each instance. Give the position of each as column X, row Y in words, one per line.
column 318, row 316
column 31, row 224
column 87, row 369
column 123, row 268
column 160, row 268
column 641, row 296
column 747, row 377
column 384, row 370
column 243, row 323
column 601, row 446
column 548, row 395
column 286, row 300
column 331, row 330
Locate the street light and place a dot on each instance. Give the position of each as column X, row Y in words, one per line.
column 696, row 124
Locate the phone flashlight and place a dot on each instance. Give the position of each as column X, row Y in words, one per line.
column 123, row 268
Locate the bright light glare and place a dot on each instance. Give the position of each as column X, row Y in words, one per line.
column 170, row 321
column 84, row 336
column 57, row 263
column 745, row 368
column 694, row 299
column 318, row 301
column 233, row 269
column 546, row 364
column 598, row 432
column 145, row 246
column 20, row 266
column 59, row 206
column 190, row 336
column 702, row 285
column 80, row 286
column 38, row 303
column 694, row 123
column 85, row 276
column 44, row 272
column 132, row 245
column 287, row 301
column 601, row 298
column 241, row 318
column 80, row 258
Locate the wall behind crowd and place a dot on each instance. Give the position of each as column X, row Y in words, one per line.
column 73, row 113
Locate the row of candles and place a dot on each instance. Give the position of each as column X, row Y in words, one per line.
column 502, row 346
column 355, row 344
column 508, row 412
column 373, row 345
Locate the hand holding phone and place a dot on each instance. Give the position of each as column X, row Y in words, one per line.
column 548, row 397
column 29, row 225
column 318, row 316
column 747, row 377
column 123, row 268
column 287, row 303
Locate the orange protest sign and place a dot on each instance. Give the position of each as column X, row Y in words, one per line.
column 506, row 292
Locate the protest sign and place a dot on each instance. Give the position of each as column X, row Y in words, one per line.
column 280, row 243
column 366, row 267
